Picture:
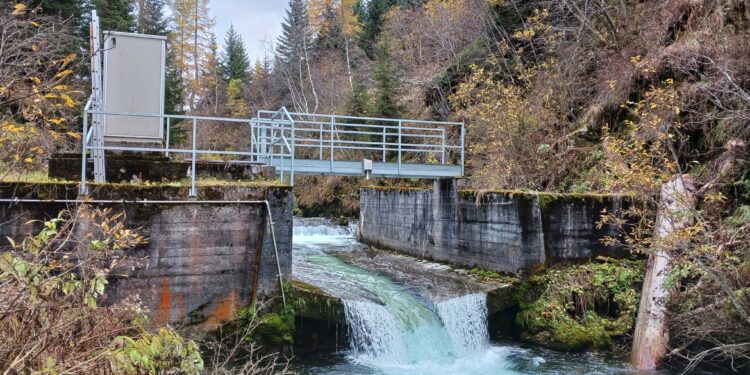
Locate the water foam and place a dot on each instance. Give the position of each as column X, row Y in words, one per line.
column 465, row 319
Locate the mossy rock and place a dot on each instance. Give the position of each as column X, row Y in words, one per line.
column 580, row 307
column 275, row 329
column 312, row 302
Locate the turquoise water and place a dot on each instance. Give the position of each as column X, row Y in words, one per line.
column 394, row 331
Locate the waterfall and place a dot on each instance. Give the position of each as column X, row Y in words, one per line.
column 465, row 319
column 404, row 330
column 395, row 330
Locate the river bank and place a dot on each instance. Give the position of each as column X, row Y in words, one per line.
column 405, row 326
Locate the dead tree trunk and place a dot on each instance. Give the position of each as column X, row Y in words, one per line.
column 675, row 214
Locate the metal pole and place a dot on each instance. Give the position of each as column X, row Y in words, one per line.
column 294, row 148
column 463, row 137
column 442, row 150
column 384, row 142
column 399, row 147
column 252, row 140
column 193, row 190
column 275, row 253
column 168, row 128
column 83, row 190
column 332, row 122
column 321, row 140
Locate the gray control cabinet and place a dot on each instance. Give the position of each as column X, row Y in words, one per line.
column 134, row 68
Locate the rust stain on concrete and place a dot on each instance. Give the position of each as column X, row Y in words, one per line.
column 225, row 311
column 165, row 303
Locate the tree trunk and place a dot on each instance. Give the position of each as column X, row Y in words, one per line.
column 651, row 335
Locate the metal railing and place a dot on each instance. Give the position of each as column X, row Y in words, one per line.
column 302, row 143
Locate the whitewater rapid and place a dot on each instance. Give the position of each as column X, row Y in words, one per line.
column 393, row 330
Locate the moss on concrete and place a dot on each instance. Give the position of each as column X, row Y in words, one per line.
column 580, row 307
column 207, row 190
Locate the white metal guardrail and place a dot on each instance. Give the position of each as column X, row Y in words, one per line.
column 301, row 143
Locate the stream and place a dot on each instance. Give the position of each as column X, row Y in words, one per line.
column 396, row 329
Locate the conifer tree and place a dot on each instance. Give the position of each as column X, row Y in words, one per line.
column 66, row 9
column 234, row 59
column 236, row 103
column 115, row 15
column 372, row 14
column 386, row 78
column 295, row 39
column 359, row 101
column 150, row 17
column 293, row 54
column 330, row 30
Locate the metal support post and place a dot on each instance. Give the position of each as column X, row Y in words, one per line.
column 193, row 172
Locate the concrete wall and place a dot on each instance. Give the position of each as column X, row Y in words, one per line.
column 500, row 231
column 202, row 262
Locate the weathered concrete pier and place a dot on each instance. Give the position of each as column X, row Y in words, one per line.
column 504, row 231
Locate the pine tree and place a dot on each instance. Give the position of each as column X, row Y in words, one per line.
column 191, row 41
column 150, row 17
column 115, row 15
column 359, row 101
column 330, row 29
column 173, row 98
column 386, row 78
column 234, row 59
column 372, row 14
column 295, row 40
column 236, row 104
column 66, row 9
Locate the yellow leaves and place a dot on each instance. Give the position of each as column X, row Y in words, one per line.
column 57, row 121
column 36, row 80
column 636, row 59
column 67, row 59
column 50, row 95
column 19, row 9
column 74, row 135
column 35, row 47
column 28, row 160
column 641, row 158
column 716, row 196
column 68, row 100
column 63, row 73
column 12, row 128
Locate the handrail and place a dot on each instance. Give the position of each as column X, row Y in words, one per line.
column 274, row 137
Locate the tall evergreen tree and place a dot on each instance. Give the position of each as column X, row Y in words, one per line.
column 386, row 77
column 330, row 32
column 234, row 59
column 150, row 17
column 115, row 15
column 66, row 9
column 372, row 14
column 295, row 40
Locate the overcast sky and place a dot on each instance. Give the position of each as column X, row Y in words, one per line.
column 257, row 21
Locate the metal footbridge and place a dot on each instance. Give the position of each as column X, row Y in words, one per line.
column 294, row 143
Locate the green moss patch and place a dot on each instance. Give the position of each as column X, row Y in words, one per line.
column 581, row 307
